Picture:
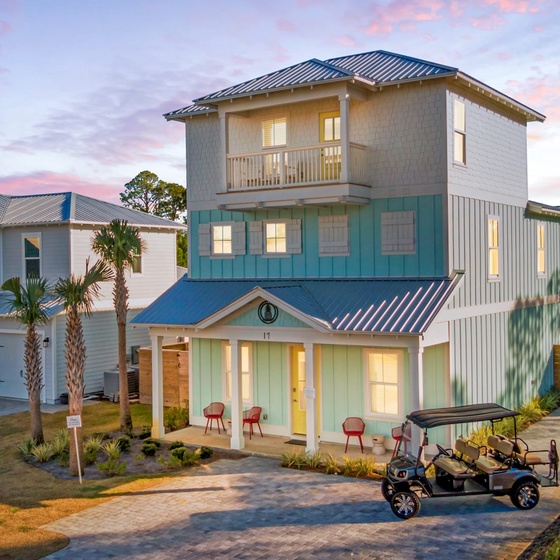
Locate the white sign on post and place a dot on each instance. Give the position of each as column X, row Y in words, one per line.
column 75, row 422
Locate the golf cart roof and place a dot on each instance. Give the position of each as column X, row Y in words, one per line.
column 432, row 417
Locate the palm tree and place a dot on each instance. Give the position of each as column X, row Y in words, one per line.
column 28, row 304
column 118, row 245
column 77, row 295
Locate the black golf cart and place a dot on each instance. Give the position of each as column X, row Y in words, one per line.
column 504, row 466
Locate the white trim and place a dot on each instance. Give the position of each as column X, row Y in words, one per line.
column 225, row 345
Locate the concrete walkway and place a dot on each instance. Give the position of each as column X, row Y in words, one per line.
column 252, row 508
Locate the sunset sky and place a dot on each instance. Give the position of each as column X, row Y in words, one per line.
column 83, row 83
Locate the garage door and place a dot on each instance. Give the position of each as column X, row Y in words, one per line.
column 12, row 383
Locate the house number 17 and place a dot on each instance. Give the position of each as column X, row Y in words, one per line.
column 266, row 336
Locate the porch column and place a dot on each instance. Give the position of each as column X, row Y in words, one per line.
column 344, row 138
column 237, row 439
column 310, row 400
column 224, row 149
column 416, row 388
column 158, row 431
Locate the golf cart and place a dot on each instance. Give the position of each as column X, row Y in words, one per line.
column 504, row 466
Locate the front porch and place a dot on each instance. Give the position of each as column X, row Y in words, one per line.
column 275, row 446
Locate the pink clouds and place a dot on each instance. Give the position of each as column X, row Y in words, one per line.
column 346, row 40
column 48, row 182
column 540, row 93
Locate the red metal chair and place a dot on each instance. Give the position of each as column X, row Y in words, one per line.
column 252, row 417
column 354, row 426
column 214, row 411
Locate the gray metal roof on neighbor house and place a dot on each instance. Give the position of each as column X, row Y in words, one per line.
column 383, row 306
column 376, row 68
column 72, row 208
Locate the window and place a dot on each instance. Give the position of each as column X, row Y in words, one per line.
column 459, row 132
column 383, row 375
column 246, row 372
column 221, row 240
column 32, row 255
column 493, row 247
column 274, row 132
column 137, row 263
column 333, row 236
column 330, row 126
column 275, row 237
column 541, row 251
column 398, row 233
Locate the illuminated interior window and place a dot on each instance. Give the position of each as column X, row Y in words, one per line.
column 383, row 381
column 222, row 240
column 246, row 372
column 276, row 237
column 541, row 251
column 493, row 248
column 459, row 132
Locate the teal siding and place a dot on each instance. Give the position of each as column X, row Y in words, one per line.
column 269, row 378
column 251, row 319
column 343, row 385
column 365, row 259
column 434, row 385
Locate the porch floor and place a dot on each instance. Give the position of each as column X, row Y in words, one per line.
column 272, row 446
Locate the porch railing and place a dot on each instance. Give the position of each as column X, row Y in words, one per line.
column 294, row 166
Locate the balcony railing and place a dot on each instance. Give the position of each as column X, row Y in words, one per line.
column 310, row 165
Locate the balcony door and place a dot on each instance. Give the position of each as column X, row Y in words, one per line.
column 329, row 137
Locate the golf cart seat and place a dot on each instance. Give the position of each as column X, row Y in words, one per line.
column 461, row 464
column 521, row 453
column 500, row 452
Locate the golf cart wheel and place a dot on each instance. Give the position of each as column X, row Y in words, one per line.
column 525, row 495
column 405, row 504
column 387, row 490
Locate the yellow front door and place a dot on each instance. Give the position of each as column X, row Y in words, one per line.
column 297, row 362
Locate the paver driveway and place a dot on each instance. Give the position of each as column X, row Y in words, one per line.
column 253, row 508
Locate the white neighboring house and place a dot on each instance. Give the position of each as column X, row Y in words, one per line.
column 51, row 235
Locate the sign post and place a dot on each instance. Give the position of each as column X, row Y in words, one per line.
column 75, row 422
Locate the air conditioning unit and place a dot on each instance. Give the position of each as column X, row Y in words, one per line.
column 111, row 382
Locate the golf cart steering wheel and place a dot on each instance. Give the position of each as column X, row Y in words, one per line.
column 441, row 450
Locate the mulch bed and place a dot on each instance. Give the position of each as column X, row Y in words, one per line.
column 538, row 548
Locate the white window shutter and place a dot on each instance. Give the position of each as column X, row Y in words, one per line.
column 204, row 242
column 238, row 238
column 333, row 235
column 255, row 238
column 293, row 236
column 398, row 233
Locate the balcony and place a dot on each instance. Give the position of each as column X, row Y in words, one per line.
column 296, row 176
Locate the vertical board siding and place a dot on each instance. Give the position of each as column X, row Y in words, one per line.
column 518, row 252
column 365, row 258
column 504, row 357
column 434, row 384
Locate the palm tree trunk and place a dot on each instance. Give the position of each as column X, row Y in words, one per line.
column 120, row 297
column 75, row 353
column 34, row 381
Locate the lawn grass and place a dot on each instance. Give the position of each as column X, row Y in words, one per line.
column 31, row 497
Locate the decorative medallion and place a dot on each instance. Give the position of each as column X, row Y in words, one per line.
column 268, row 312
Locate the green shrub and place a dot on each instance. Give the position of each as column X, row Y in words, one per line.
column 154, row 441
column 26, row 447
column 91, row 447
column 112, row 449
column 313, row 460
column 43, row 452
column 364, row 467
column 63, row 459
column 61, row 443
column 189, row 458
column 177, row 452
column 553, row 552
column 175, row 418
column 145, row 432
column 124, row 443
column 171, row 463
column 176, row 445
column 330, row 464
column 148, row 449
column 550, row 400
column 112, row 467
column 183, row 457
column 205, row 452
column 291, row 459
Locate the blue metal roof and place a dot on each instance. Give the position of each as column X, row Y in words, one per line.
column 376, row 67
column 72, row 208
column 385, row 306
